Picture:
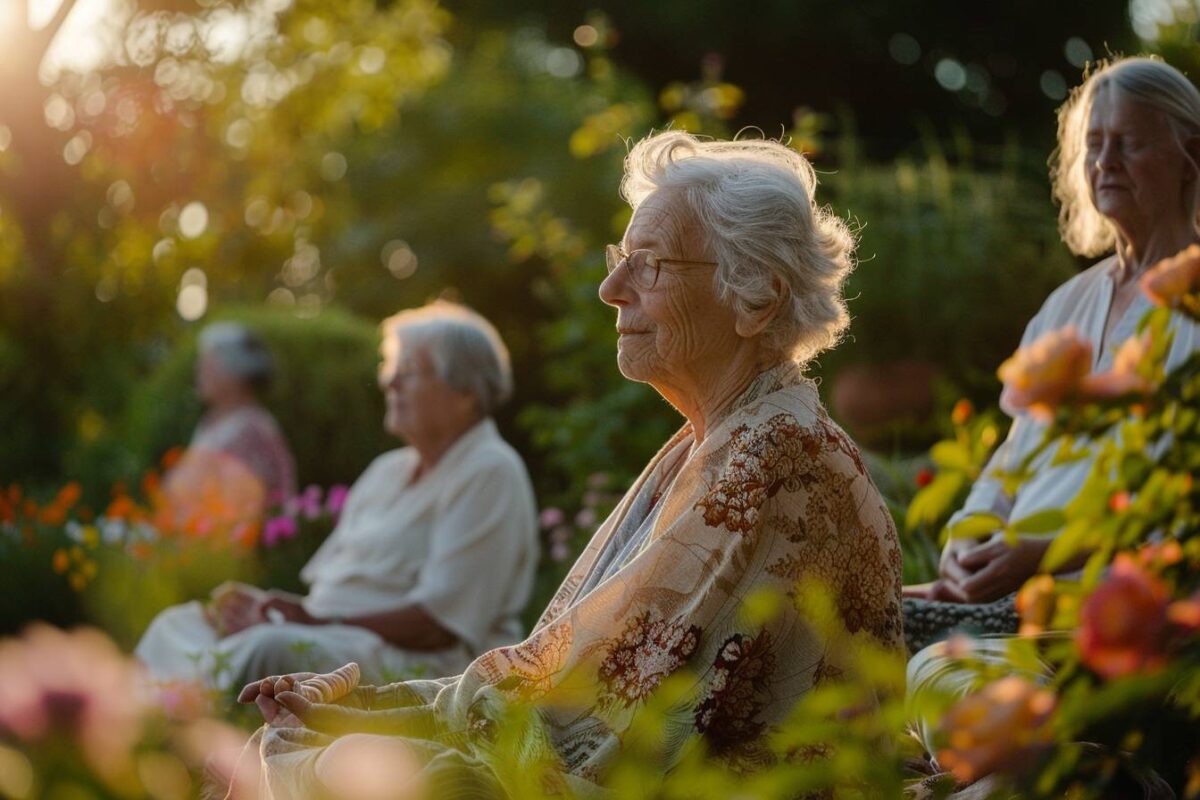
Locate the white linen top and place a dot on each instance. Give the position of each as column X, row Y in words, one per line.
column 1084, row 302
column 461, row 542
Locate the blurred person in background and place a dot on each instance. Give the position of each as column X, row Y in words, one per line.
column 434, row 553
column 238, row 463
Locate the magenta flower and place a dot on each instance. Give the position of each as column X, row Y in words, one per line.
column 279, row 528
column 336, row 499
column 310, row 502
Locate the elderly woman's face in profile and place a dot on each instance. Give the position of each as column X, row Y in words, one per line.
column 418, row 401
column 668, row 330
column 1135, row 167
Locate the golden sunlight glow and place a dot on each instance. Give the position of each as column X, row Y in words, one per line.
column 80, row 44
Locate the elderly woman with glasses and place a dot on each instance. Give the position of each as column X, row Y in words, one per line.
column 728, row 281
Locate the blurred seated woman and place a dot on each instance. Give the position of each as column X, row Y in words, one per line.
column 433, row 556
column 238, row 463
column 1126, row 175
column 727, row 283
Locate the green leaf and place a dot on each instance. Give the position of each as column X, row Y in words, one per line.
column 1047, row 521
column 933, row 502
column 976, row 526
column 951, row 455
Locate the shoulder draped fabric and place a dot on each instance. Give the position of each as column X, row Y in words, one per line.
column 775, row 494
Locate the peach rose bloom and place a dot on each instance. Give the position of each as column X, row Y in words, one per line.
column 1123, row 623
column 995, row 728
column 1035, row 604
column 1039, row 377
column 1168, row 281
column 1124, row 377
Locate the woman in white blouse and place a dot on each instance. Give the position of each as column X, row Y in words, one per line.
column 1127, row 176
column 433, row 558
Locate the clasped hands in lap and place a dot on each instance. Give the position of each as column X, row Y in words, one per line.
column 982, row 570
column 361, row 764
column 234, row 607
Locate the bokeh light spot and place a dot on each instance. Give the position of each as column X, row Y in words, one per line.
column 586, row 36
column 371, row 60
column 950, row 74
column 333, row 167
column 193, row 219
column 399, row 259
column 192, row 302
column 1053, row 84
column 1078, row 52
column 563, row 62
column 904, row 49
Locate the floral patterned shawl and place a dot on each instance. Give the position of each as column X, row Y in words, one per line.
column 774, row 494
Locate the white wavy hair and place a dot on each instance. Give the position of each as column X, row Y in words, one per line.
column 1148, row 80
column 753, row 201
column 465, row 349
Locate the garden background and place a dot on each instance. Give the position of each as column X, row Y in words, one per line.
column 311, row 167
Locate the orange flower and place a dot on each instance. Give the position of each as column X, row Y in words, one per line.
column 962, row 412
column 1039, row 377
column 1185, row 614
column 995, row 728
column 924, row 477
column 122, row 507
column 68, row 495
column 1125, row 377
column 61, row 562
column 171, row 457
column 1123, row 623
column 52, row 515
column 1035, row 604
column 1161, row 554
column 1119, row 501
column 1169, row 281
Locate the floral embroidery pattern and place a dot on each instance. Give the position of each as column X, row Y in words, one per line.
column 742, row 670
column 765, row 460
column 645, row 653
column 528, row 670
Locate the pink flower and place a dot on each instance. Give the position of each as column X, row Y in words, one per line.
column 279, row 528
column 335, row 499
column 550, row 517
column 310, row 502
column 585, row 518
column 1039, row 377
column 75, row 684
column 560, row 552
column 182, row 699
